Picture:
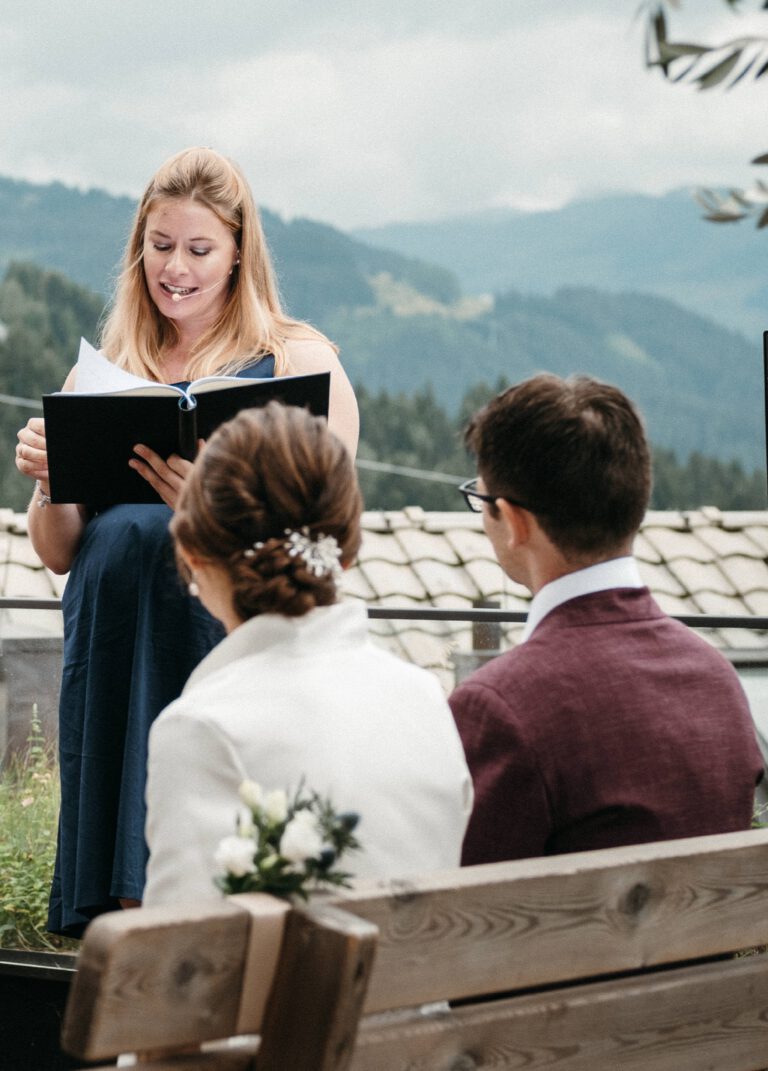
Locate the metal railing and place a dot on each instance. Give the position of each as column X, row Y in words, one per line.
column 476, row 614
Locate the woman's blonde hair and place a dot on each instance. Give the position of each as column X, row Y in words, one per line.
column 262, row 476
column 252, row 323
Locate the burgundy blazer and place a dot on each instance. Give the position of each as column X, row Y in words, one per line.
column 612, row 725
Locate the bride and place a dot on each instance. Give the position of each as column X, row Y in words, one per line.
column 267, row 520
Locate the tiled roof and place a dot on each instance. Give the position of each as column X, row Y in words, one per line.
column 695, row 562
column 703, row 561
column 22, row 575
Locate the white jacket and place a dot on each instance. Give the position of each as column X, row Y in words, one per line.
column 281, row 699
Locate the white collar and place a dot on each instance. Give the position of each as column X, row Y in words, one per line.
column 616, row 573
column 320, row 630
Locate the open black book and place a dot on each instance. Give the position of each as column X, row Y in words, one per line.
column 90, row 436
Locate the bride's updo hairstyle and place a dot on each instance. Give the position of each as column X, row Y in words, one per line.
column 264, row 496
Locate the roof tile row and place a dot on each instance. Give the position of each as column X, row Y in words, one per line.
column 699, row 561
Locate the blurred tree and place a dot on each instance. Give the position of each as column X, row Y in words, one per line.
column 703, row 481
column 42, row 315
column 414, row 432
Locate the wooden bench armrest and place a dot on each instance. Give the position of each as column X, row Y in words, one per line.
column 317, row 999
column 163, row 980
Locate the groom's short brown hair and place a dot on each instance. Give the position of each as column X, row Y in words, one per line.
column 574, row 451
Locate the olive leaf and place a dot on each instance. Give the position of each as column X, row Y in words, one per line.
column 724, row 64
column 734, row 59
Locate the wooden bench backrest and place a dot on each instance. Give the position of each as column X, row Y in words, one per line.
column 533, row 922
column 155, row 979
column 577, row 919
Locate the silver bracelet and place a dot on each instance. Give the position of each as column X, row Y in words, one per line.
column 43, row 499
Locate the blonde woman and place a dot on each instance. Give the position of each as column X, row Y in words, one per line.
column 296, row 691
column 197, row 295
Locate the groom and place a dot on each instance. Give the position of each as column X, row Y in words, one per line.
column 610, row 723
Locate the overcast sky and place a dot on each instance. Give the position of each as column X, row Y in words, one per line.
column 360, row 112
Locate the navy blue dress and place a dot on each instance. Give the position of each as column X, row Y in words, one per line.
column 132, row 636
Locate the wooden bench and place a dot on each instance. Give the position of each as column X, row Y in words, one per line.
column 613, row 960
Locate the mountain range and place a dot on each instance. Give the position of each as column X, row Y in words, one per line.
column 620, row 242
column 82, row 234
column 405, row 323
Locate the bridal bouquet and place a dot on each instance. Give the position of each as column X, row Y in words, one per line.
column 285, row 846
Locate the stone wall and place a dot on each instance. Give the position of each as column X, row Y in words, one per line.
column 30, row 676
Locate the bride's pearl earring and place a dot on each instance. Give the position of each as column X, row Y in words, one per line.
column 193, row 588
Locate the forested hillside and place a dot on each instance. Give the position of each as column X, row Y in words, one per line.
column 415, row 432
column 403, row 325
column 699, row 385
column 42, row 315
column 82, row 235
column 79, row 234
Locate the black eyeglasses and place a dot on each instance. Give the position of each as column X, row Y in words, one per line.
column 474, row 498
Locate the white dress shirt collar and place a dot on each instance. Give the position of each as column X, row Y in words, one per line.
column 616, row 573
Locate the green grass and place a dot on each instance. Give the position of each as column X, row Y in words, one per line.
column 29, row 807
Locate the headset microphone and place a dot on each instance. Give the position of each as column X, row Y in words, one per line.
column 195, row 293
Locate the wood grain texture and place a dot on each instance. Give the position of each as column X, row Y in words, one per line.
column 506, row 926
column 156, row 979
column 706, row 1018
column 312, row 1016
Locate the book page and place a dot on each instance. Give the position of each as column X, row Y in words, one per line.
column 94, row 374
column 201, row 386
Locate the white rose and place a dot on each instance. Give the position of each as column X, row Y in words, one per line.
column 251, row 794
column 235, row 856
column 302, row 838
column 276, row 805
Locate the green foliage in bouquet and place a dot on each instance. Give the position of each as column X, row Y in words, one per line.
column 285, row 846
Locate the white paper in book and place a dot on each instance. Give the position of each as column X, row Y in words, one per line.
column 94, row 374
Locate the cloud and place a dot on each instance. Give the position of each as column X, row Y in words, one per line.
column 359, row 113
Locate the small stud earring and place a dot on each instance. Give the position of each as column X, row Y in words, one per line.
column 193, row 588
